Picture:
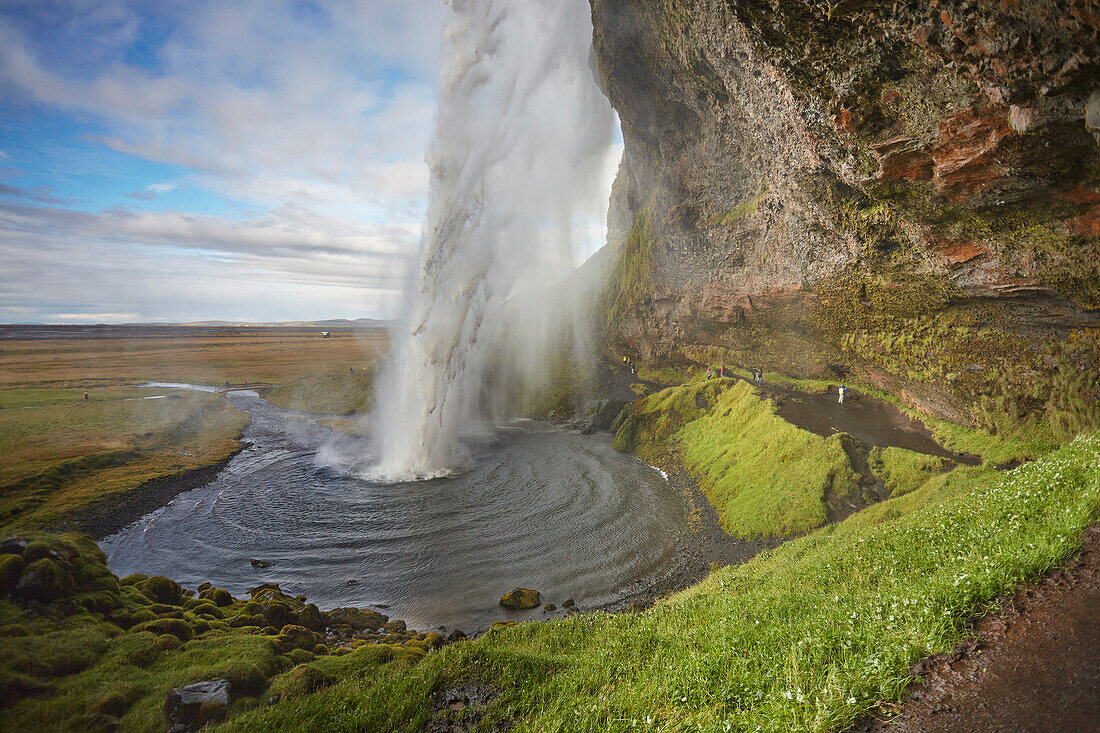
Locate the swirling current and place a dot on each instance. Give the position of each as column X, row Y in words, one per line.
column 544, row 508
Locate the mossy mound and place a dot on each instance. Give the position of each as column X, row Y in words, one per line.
column 764, row 476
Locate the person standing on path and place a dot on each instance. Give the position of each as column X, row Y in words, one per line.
column 842, row 390
column 85, row 396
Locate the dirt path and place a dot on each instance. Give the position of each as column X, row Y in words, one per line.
column 869, row 420
column 1033, row 666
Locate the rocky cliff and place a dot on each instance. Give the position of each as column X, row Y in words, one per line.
column 908, row 192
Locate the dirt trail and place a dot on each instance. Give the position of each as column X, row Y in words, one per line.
column 1032, row 666
column 869, row 420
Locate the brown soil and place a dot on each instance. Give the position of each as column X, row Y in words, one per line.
column 106, row 517
column 1032, row 665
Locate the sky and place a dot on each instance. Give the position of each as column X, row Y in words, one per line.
column 244, row 160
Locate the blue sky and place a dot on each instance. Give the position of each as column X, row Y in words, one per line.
column 236, row 159
column 189, row 160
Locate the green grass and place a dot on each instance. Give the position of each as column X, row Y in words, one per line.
column 764, row 476
column 1025, row 444
column 903, row 471
column 62, row 454
column 807, row 637
column 338, row 393
column 26, row 398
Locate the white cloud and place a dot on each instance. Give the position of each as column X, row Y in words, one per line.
column 317, row 122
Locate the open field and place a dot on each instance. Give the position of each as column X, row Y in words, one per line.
column 65, row 455
column 265, row 355
column 62, row 454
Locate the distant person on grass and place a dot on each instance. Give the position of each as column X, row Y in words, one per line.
column 842, row 391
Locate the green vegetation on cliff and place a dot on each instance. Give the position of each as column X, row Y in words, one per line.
column 630, row 280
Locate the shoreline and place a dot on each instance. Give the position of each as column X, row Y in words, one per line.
column 108, row 516
column 705, row 544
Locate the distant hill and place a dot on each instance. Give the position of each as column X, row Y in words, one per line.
column 328, row 323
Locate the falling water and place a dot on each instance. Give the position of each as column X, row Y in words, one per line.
column 522, row 131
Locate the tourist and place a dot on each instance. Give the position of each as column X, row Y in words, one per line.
column 709, row 370
column 759, row 376
column 842, row 390
column 85, row 396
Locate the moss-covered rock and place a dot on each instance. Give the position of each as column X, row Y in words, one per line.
column 305, row 679
column 293, row 636
column 44, row 581
column 174, row 626
column 11, row 568
column 356, row 618
column 521, row 598
column 218, row 596
column 162, row 590
column 311, row 618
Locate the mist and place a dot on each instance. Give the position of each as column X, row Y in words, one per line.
column 521, row 136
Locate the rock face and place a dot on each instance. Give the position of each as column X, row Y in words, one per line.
column 521, row 598
column 806, row 183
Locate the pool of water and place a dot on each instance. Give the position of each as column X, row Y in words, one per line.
column 544, row 508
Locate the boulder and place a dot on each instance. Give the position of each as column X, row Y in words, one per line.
column 357, row 618
column 194, row 706
column 298, row 637
column 394, row 627
column 568, row 603
column 521, row 598
column 259, row 563
column 42, row 581
column 13, row 546
column 456, row 635
column 311, row 618
column 162, row 590
column 218, row 596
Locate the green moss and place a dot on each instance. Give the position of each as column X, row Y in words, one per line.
column 743, row 210
column 764, row 476
column 630, row 281
column 162, row 590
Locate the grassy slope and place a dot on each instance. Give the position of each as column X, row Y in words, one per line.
column 63, row 454
column 764, row 476
column 806, row 637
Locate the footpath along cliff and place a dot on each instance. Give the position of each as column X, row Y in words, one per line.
column 907, row 193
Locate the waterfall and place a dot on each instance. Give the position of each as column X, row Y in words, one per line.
column 521, row 135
